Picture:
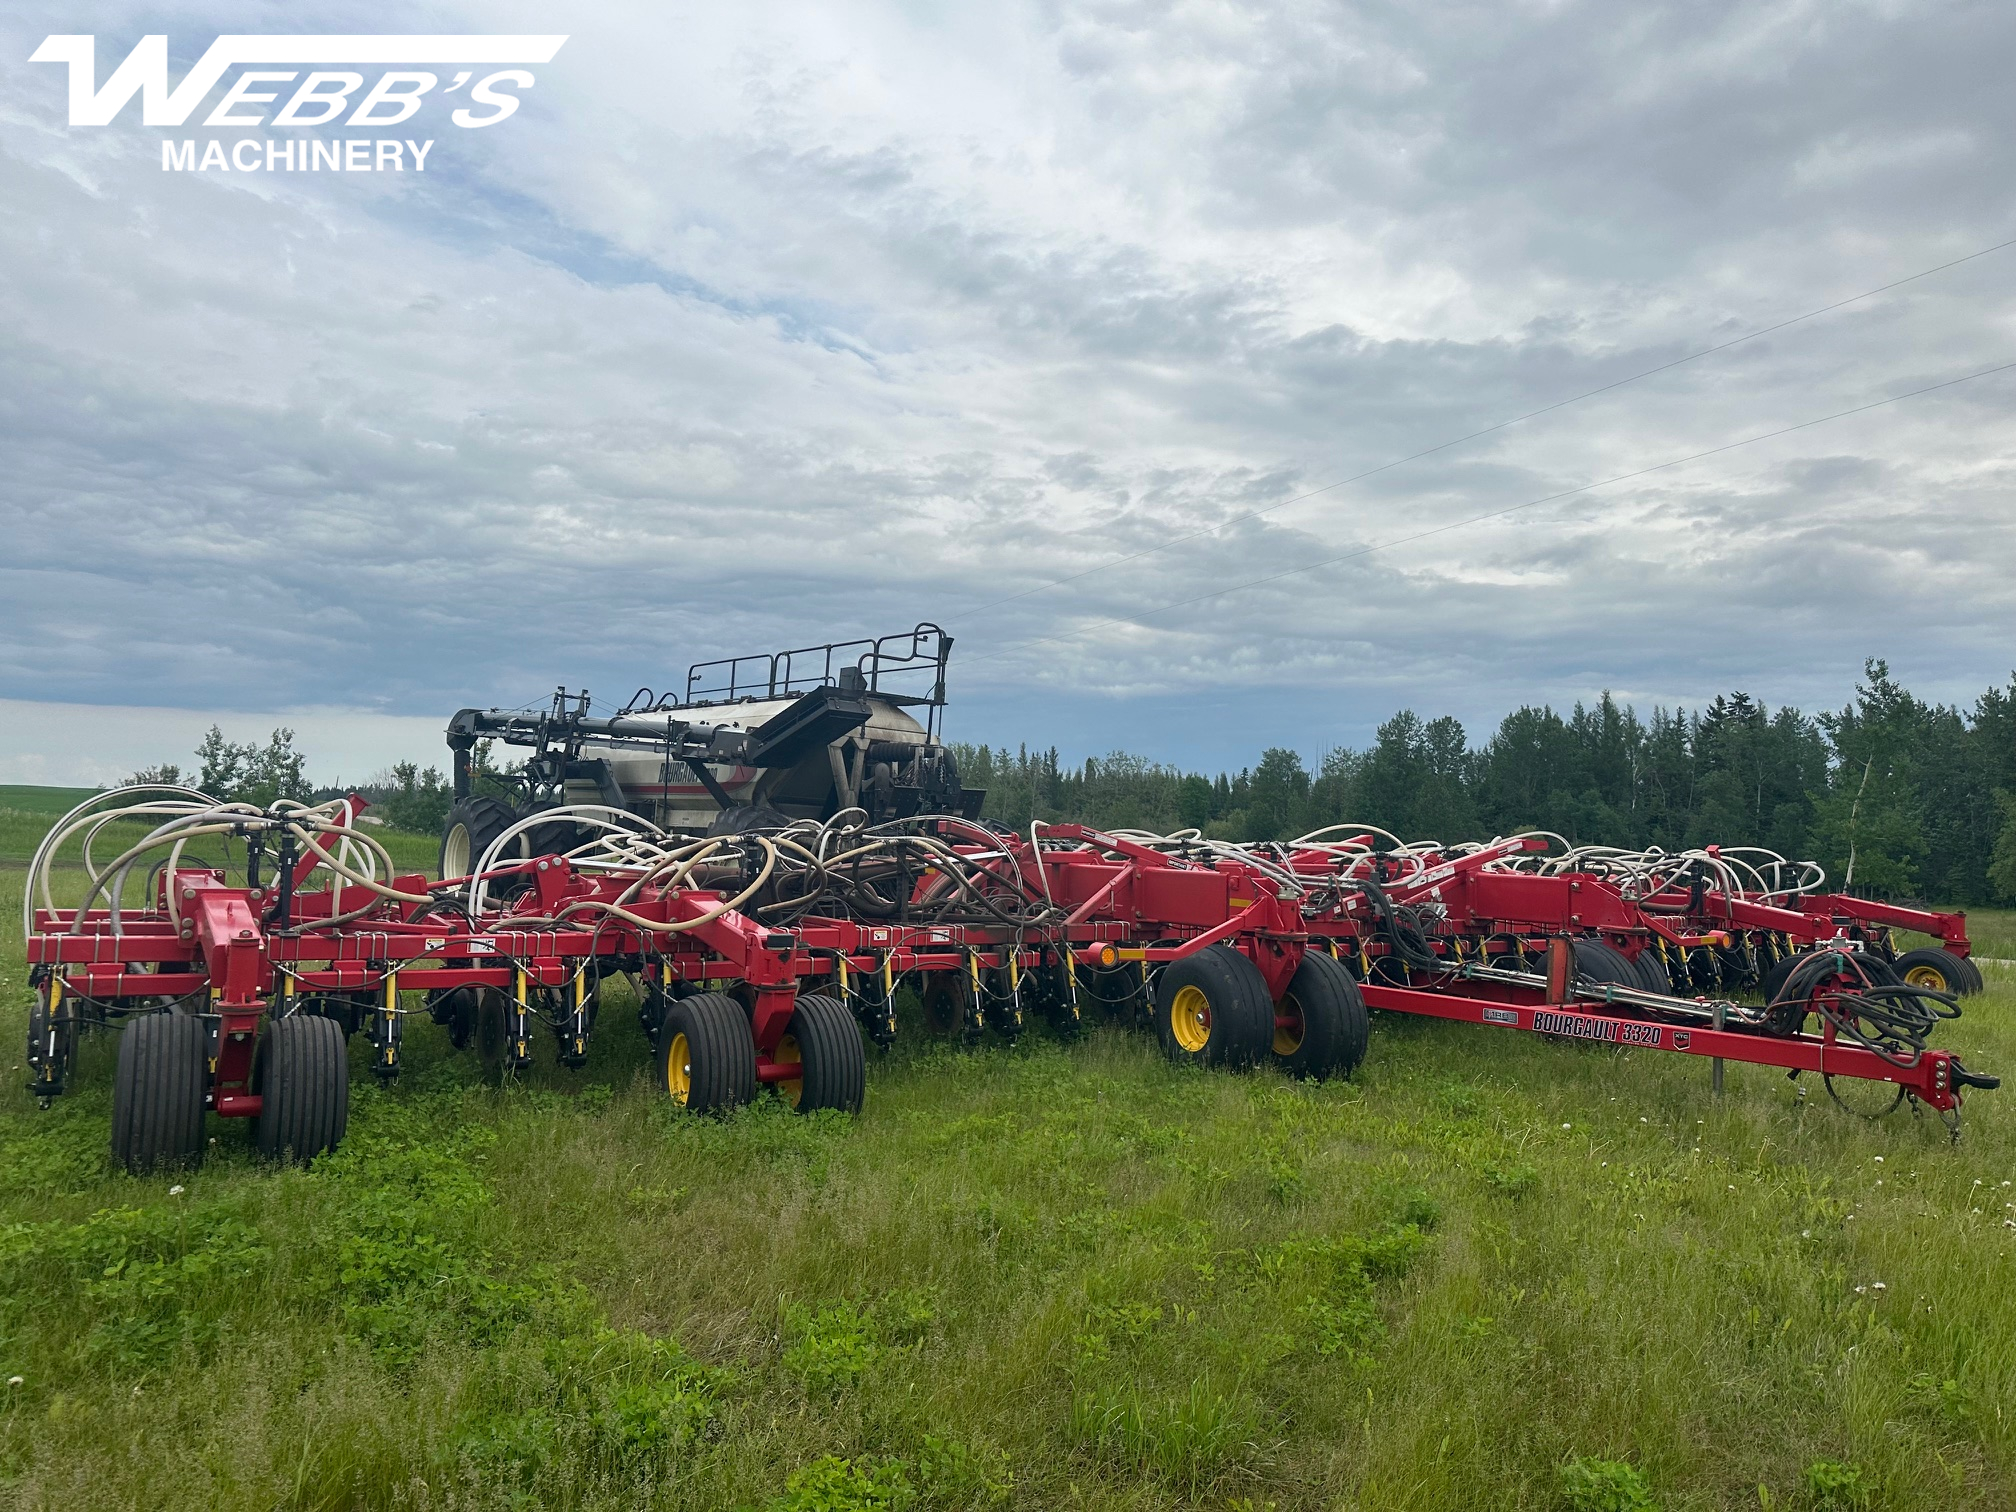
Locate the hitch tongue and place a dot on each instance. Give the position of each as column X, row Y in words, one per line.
column 1962, row 1077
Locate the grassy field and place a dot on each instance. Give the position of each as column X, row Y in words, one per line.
column 1491, row 1271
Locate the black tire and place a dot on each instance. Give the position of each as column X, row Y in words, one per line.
column 950, row 1008
column 1604, row 965
column 1652, row 971
column 1320, row 1024
column 158, row 1092
column 1738, row 967
column 455, row 1011
column 1050, row 989
column 1941, row 970
column 1973, row 974
column 1213, row 1009
column 823, row 1038
column 747, row 819
column 1776, row 977
column 1115, row 993
column 304, row 1084
column 706, row 1053
column 490, row 1029
column 472, row 824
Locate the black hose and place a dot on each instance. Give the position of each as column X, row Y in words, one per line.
column 1891, row 1020
column 1401, row 929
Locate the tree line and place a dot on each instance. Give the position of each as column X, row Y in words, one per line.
column 402, row 796
column 1897, row 797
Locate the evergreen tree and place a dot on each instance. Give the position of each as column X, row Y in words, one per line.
column 1869, row 827
column 1919, row 798
column 1280, row 797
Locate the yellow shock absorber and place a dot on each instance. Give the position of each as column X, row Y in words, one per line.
column 388, row 1036
column 1015, row 984
column 976, row 1015
column 842, row 961
column 581, row 1013
column 1364, row 962
column 1071, row 979
column 521, row 1046
column 48, row 1046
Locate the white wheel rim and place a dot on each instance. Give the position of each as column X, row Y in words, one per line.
column 455, row 853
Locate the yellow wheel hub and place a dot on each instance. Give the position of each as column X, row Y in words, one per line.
column 1190, row 1018
column 788, row 1054
column 1927, row 976
column 1289, row 1026
column 679, row 1069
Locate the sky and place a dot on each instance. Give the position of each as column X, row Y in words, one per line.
column 766, row 325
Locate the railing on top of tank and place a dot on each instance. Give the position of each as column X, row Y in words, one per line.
column 906, row 667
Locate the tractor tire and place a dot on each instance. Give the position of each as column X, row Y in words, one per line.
column 1213, row 1009
column 748, row 819
column 706, row 1053
column 1973, row 973
column 304, row 1081
column 471, row 826
column 1941, row 970
column 823, row 1038
column 1320, row 1024
column 158, row 1092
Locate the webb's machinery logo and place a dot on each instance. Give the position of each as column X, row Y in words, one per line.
column 315, row 97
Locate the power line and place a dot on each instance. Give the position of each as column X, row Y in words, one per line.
column 1496, row 514
column 1548, row 409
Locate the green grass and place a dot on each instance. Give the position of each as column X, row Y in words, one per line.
column 1492, row 1272
column 50, row 802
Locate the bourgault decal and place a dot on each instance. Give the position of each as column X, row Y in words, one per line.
column 314, row 97
column 1582, row 1026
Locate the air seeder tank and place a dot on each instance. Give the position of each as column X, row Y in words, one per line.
column 752, row 742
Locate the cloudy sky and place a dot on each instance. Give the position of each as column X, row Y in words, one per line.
column 769, row 324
